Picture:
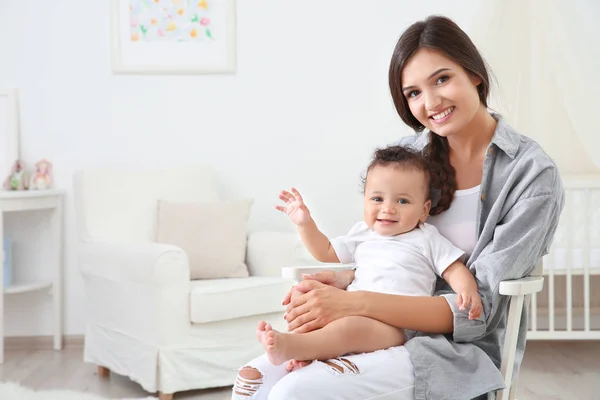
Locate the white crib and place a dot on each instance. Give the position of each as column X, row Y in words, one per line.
column 569, row 306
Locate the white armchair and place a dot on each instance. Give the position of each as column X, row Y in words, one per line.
column 146, row 319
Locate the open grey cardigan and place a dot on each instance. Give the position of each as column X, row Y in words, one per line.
column 521, row 199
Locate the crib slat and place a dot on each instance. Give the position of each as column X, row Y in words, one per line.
column 587, row 254
column 533, row 326
column 552, row 264
column 569, row 301
column 569, row 281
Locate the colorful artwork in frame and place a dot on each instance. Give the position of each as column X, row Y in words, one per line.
column 173, row 36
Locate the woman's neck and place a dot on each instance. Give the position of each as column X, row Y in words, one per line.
column 471, row 143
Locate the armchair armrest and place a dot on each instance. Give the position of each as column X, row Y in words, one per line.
column 296, row 272
column 523, row 286
column 135, row 262
column 140, row 290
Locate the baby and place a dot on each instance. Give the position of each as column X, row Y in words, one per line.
column 394, row 251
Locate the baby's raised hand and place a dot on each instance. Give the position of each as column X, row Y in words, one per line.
column 294, row 207
column 465, row 298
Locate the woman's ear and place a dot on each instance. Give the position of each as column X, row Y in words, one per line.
column 426, row 209
column 475, row 79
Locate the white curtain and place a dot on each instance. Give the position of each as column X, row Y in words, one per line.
column 546, row 58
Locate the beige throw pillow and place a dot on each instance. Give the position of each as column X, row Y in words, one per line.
column 213, row 235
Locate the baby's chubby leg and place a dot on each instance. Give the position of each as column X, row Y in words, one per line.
column 340, row 337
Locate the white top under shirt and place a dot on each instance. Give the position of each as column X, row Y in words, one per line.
column 405, row 264
column 459, row 222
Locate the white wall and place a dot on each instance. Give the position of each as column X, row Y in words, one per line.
column 307, row 106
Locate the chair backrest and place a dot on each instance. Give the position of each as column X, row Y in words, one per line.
column 119, row 205
column 539, row 268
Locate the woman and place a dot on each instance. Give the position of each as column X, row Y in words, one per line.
column 499, row 199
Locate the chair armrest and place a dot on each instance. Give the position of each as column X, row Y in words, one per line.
column 523, row 286
column 296, row 272
column 519, row 290
column 140, row 290
column 135, row 262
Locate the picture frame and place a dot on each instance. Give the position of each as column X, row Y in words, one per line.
column 9, row 130
column 173, row 36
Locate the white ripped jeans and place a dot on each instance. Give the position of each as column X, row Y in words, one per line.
column 384, row 374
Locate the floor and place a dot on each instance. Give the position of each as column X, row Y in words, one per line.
column 551, row 371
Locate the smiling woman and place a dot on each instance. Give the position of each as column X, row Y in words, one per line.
column 439, row 83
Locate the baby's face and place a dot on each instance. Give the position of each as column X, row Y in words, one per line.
column 395, row 199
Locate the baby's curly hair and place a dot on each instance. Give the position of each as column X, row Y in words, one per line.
column 401, row 157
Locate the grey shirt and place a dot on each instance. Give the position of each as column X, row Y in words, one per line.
column 521, row 199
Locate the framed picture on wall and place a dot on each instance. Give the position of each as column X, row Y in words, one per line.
column 173, row 36
column 9, row 130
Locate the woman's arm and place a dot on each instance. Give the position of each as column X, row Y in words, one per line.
column 322, row 304
column 520, row 239
column 419, row 313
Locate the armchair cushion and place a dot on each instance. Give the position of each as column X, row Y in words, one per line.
column 213, row 235
column 223, row 299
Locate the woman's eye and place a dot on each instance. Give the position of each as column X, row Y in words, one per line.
column 413, row 93
column 441, row 79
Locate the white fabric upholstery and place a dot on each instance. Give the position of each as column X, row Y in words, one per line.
column 140, row 300
column 221, row 299
column 121, row 205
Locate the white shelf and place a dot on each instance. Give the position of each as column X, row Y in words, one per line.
column 30, row 194
column 27, row 287
column 33, row 200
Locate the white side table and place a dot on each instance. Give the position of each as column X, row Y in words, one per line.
column 26, row 201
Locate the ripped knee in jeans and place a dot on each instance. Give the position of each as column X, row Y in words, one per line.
column 342, row 366
column 248, row 382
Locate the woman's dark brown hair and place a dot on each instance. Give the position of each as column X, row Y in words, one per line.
column 441, row 34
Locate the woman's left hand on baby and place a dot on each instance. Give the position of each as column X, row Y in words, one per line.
column 319, row 305
column 464, row 299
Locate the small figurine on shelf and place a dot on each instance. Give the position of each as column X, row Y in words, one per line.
column 42, row 178
column 18, row 179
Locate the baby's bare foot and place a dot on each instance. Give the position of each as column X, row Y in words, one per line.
column 274, row 342
column 260, row 329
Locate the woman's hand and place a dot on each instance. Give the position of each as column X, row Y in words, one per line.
column 318, row 305
column 338, row 279
column 294, row 207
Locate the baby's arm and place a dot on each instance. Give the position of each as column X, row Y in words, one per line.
column 463, row 283
column 315, row 241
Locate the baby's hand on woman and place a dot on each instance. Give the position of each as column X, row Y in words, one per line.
column 294, row 207
column 466, row 298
